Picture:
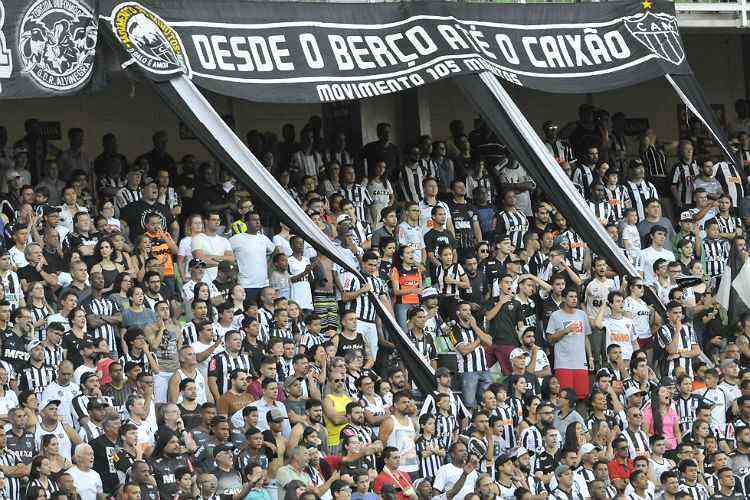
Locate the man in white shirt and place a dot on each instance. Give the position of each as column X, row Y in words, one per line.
column 87, row 481
column 63, row 390
column 252, row 250
column 460, row 474
column 654, row 252
column 212, row 248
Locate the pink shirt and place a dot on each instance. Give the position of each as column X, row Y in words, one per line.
column 669, row 421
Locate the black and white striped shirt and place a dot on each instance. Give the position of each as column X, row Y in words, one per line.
column 223, row 364
column 37, row 314
column 35, row 378
column 445, row 428
column 584, row 175
column 48, row 490
column 728, row 224
column 637, row 442
column 684, row 178
column 514, row 224
column 686, row 341
column 639, row 193
column 359, row 197
column 603, row 212
column 361, row 231
column 410, row 182
column 531, row 439
column 560, row 150
column 13, row 290
column 53, row 355
column 104, row 307
column 363, row 304
column 126, row 196
column 617, row 196
column 473, row 361
column 429, row 166
column 189, row 333
column 715, row 254
column 455, row 272
column 687, row 410
column 424, row 345
column 428, row 465
column 509, row 420
column 696, row 492
column 655, row 163
column 12, row 489
column 576, row 249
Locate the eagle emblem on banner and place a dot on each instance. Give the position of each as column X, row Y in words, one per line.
column 659, row 34
column 148, row 39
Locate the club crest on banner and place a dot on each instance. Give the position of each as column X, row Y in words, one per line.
column 57, row 42
column 6, row 62
column 149, row 40
column 659, row 34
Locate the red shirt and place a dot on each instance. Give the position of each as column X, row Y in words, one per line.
column 399, row 480
column 620, row 471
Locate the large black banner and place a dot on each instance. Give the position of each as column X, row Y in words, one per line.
column 307, row 52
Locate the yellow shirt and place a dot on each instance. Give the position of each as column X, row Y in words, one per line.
column 334, row 431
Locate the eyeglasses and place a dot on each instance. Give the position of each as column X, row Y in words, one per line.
column 337, row 380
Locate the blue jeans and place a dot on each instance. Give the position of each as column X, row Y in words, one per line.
column 400, row 311
column 470, row 382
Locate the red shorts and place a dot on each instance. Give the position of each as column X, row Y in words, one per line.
column 499, row 353
column 646, row 343
column 578, row 380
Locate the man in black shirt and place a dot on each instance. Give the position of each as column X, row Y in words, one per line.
column 465, row 219
column 382, row 149
column 136, row 213
column 13, row 340
column 19, row 439
column 438, row 236
column 104, row 448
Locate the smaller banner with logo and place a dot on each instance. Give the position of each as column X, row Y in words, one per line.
column 322, row 52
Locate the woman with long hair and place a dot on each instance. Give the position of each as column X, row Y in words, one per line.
column 371, row 402
column 575, row 436
column 8, row 397
column 36, row 493
column 103, row 253
column 601, row 436
column 531, row 404
column 551, row 389
column 450, row 279
column 122, row 254
column 660, row 417
column 72, row 340
column 50, row 449
column 296, row 322
column 30, row 404
column 142, row 253
column 36, row 301
column 201, row 291
column 406, row 283
column 193, row 226
column 381, row 192
column 121, row 289
column 331, row 180
column 135, row 314
column 40, row 477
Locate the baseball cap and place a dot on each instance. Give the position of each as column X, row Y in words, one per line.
column 502, row 459
column 442, row 371
column 289, row 381
column 196, row 263
column 97, row 403
column 517, row 353
column 343, row 218
column 50, row 209
column 667, row 381
column 85, row 345
column 502, row 237
column 55, row 402
column 248, row 320
column 521, row 451
column 429, row 292
column 545, row 463
column 588, row 448
column 135, row 169
column 12, row 174
column 686, row 215
column 727, row 362
column 632, row 391
column 275, row 416
column 129, row 365
column 33, row 344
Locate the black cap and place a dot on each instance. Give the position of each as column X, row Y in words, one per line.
column 50, row 209
column 196, row 263
column 97, row 403
column 224, row 447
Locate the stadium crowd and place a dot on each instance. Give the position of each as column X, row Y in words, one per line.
column 164, row 335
